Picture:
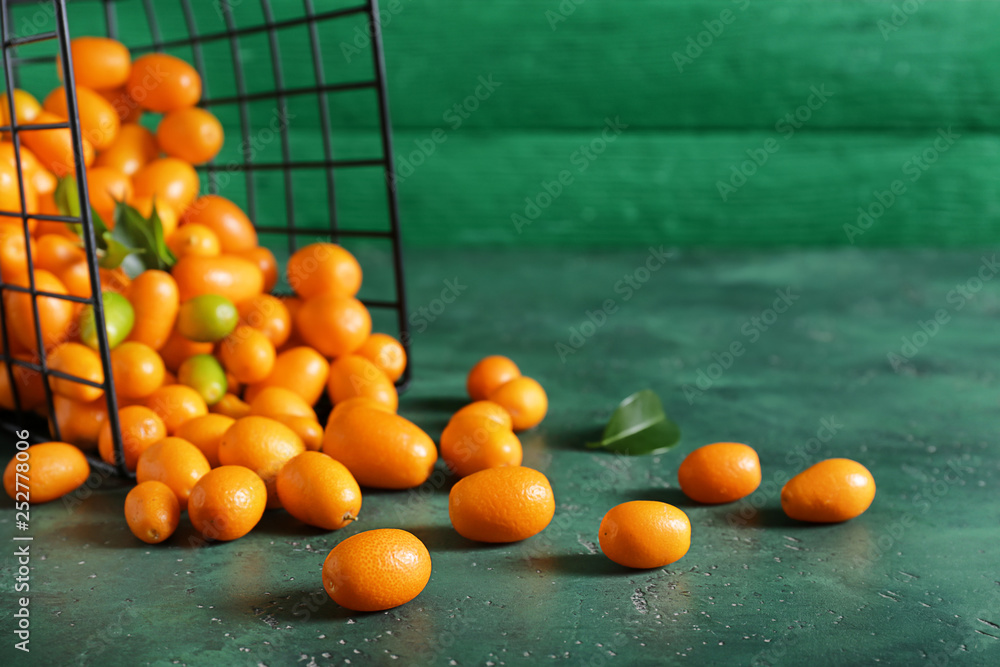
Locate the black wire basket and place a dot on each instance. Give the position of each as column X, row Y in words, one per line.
column 312, row 160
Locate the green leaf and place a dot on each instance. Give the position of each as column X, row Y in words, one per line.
column 639, row 426
column 67, row 197
column 164, row 253
column 114, row 253
column 144, row 234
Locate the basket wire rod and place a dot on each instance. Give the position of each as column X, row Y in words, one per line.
column 29, row 39
column 89, row 242
column 8, row 72
column 362, row 233
column 110, row 19
column 324, row 114
column 288, row 92
column 224, row 5
column 43, row 216
column 9, row 20
column 199, row 65
column 390, row 186
column 51, row 295
column 303, row 164
column 241, row 89
column 279, row 84
column 154, row 26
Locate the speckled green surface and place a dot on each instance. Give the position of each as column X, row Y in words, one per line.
column 913, row 581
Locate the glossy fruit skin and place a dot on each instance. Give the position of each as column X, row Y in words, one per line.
column 29, row 384
column 227, row 503
column 324, row 269
column 319, row 491
column 192, row 134
column 54, row 253
column 645, row 534
column 194, row 239
column 263, row 445
column 247, row 354
column 301, row 369
column 99, row 122
column 26, row 108
column 99, row 63
column 155, row 299
column 138, row 370
column 55, row 315
column 105, row 186
column 175, row 462
column 30, row 387
column 119, row 318
column 204, row 374
column 830, row 491
column 233, row 277
column 308, row 430
column 205, row 433
column 235, row 231
column 266, row 262
column 524, row 399
column 357, row 402
column 231, row 406
column 140, row 428
column 178, row 348
column 152, row 512
column 49, row 470
column 54, row 148
column 10, row 196
column 720, row 473
column 14, row 254
column 207, row 318
column 80, row 423
column 277, row 401
column 267, row 314
column 487, row 409
column 474, row 442
column 163, row 83
column 168, row 180
column 176, row 404
column 381, row 449
column 79, row 361
column 488, row 375
column 386, row 353
column 506, row 504
column 352, row 376
column 376, row 570
column 132, row 149
column 334, row 325
column 42, row 181
column 128, row 110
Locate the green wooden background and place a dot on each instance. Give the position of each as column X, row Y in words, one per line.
column 699, row 87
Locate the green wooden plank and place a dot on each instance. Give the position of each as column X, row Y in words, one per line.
column 939, row 65
column 653, row 188
column 614, row 58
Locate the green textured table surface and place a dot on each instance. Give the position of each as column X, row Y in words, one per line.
column 913, row 581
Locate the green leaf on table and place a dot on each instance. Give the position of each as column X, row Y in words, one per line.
column 639, row 426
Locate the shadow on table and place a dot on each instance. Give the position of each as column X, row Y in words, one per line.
column 446, row 405
column 578, row 565
column 280, row 523
column 445, row 538
column 574, row 439
column 671, row 496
